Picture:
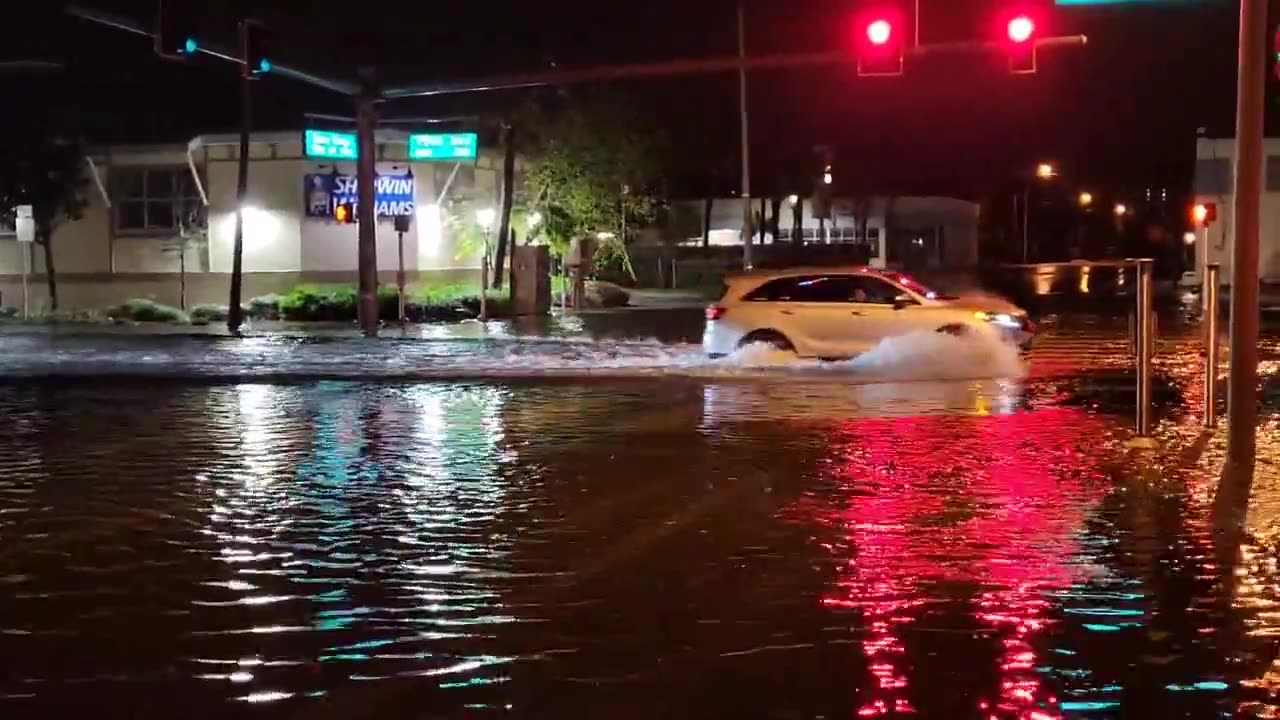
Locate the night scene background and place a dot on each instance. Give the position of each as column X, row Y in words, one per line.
column 250, row 469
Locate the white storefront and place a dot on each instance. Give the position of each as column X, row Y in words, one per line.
column 1214, row 177
column 127, row 242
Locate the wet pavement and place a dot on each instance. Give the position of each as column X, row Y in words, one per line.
column 606, row 526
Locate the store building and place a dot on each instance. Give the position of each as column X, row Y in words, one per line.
column 129, row 242
column 1214, row 180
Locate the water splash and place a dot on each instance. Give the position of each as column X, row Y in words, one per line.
column 922, row 355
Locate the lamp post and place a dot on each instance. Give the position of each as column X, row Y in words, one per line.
column 485, row 218
column 1044, row 172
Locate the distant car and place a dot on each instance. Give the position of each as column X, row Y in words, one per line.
column 834, row 313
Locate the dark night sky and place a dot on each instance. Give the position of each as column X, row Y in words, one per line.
column 1121, row 113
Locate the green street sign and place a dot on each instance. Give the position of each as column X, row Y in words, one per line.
column 327, row 145
column 444, row 147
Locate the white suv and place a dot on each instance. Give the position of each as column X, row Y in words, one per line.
column 843, row 312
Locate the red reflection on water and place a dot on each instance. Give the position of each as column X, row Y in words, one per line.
column 932, row 506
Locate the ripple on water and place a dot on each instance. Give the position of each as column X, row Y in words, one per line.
column 337, row 549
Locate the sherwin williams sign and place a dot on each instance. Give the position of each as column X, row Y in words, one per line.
column 325, row 191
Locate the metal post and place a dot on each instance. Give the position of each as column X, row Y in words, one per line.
column 1145, row 337
column 1242, row 387
column 1026, row 225
column 1210, row 292
column 747, row 235
column 26, row 272
column 235, row 315
column 675, row 282
column 400, row 273
column 484, row 280
column 366, row 213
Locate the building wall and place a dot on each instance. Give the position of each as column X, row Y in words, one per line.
column 957, row 220
column 1213, row 184
column 98, row 266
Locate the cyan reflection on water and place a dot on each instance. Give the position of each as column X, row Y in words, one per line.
column 650, row 548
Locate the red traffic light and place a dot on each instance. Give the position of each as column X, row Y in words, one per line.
column 879, row 32
column 1021, row 29
column 879, row 40
column 1204, row 213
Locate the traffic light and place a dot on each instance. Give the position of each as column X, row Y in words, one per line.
column 344, row 213
column 253, row 50
column 1204, row 213
column 1020, row 31
column 175, row 36
column 880, row 35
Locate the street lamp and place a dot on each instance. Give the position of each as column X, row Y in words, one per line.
column 1045, row 171
column 485, row 218
column 1085, row 199
column 793, row 200
column 1121, row 210
column 1189, row 238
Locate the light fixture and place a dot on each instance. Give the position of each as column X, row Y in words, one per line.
column 1189, row 238
column 793, row 200
column 1044, row 171
column 1085, row 199
column 1121, row 210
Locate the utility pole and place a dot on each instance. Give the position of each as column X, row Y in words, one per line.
column 235, row 315
column 746, row 137
column 366, row 210
column 1242, row 388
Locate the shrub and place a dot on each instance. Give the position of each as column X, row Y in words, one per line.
column 142, row 310
column 265, row 307
column 311, row 303
column 8, row 312
column 205, row 314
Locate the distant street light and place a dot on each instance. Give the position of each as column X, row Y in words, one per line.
column 793, row 200
column 1045, row 171
column 1189, row 238
column 1121, row 210
column 1085, row 199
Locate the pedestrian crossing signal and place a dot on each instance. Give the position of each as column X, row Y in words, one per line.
column 344, row 214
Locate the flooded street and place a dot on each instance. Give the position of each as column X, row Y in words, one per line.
column 567, row 527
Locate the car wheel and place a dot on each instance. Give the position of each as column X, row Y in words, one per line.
column 955, row 329
column 772, row 338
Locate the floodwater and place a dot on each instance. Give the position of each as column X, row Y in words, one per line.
column 570, row 528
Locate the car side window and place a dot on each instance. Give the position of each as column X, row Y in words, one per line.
column 869, row 289
column 826, row 289
column 780, row 290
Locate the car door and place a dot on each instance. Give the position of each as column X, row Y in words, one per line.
column 876, row 315
column 826, row 315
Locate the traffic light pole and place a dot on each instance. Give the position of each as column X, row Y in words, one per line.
column 367, row 212
column 1242, row 385
column 748, row 233
column 235, row 313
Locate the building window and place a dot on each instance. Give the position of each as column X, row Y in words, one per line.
column 152, row 199
column 1213, row 176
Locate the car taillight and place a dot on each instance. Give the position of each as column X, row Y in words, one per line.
column 715, row 312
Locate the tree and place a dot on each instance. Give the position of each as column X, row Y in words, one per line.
column 594, row 172
column 508, row 196
column 45, row 169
